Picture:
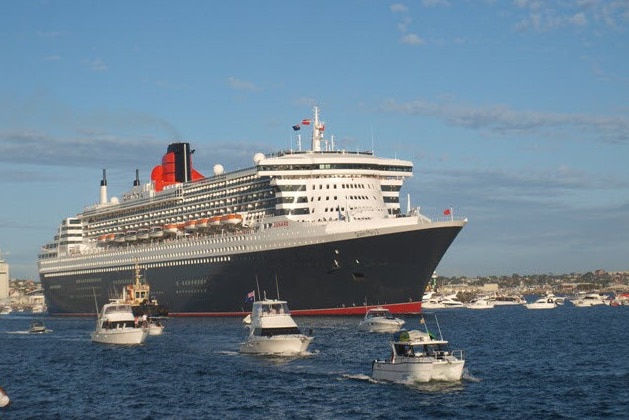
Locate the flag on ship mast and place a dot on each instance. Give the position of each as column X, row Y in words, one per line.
column 305, row 122
column 449, row 212
column 296, row 127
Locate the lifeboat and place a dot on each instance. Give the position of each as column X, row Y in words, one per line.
column 203, row 223
column 143, row 234
column 231, row 219
column 102, row 239
column 170, row 228
column 119, row 238
column 156, row 232
column 110, row 237
column 214, row 221
column 190, row 225
column 130, row 235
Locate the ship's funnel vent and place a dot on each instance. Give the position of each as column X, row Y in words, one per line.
column 176, row 167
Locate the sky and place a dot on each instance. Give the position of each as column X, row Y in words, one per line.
column 514, row 113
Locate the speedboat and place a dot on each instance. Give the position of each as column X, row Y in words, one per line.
column 508, row 300
column 155, row 327
column 117, row 325
column 419, row 356
column 542, row 303
column 480, row 303
column 38, row 327
column 451, row 301
column 272, row 330
column 432, row 301
column 380, row 320
column 589, row 299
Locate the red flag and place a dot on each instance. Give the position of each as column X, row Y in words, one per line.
column 446, row 212
column 305, row 122
column 322, row 127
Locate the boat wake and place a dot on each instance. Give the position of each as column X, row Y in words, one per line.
column 467, row 376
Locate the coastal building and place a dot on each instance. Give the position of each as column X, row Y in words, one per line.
column 4, row 279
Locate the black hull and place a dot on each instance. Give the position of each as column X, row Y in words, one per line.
column 385, row 269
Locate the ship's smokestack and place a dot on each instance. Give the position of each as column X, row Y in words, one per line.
column 103, row 188
column 137, row 178
column 183, row 163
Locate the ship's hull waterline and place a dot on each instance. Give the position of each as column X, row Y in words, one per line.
column 327, row 278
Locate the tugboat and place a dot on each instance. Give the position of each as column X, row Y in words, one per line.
column 138, row 295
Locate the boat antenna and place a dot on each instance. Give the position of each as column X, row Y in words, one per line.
column 95, row 302
column 277, row 288
column 258, row 286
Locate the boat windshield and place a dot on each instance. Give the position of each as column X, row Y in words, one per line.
column 274, row 308
column 117, row 308
column 270, row 332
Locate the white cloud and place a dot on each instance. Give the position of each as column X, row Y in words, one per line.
column 411, row 39
column 503, row 120
column 96, row 64
column 238, row 84
column 399, row 8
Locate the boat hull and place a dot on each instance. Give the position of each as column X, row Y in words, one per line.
column 276, row 345
column 122, row 336
column 323, row 277
column 407, row 370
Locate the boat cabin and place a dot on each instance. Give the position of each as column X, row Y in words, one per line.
column 275, row 308
column 437, row 350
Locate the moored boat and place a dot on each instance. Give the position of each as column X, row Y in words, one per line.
column 542, row 303
column 587, row 300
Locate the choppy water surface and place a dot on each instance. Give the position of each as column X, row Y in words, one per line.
column 563, row 363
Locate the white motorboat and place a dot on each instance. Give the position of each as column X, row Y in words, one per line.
column 38, row 327
column 507, row 300
column 432, row 301
column 418, row 356
column 272, row 331
column 480, row 303
column 451, row 301
column 380, row 320
column 117, row 325
column 589, row 299
column 155, row 327
column 542, row 303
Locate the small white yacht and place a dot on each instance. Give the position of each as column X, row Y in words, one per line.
column 418, row 356
column 117, row 325
column 451, row 301
column 432, row 301
column 542, row 303
column 380, row 320
column 272, row 331
column 480, row 303
column 589, row 299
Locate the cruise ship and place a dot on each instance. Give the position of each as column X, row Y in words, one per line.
column 321, row 228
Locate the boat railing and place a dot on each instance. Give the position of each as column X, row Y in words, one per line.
column 458, row 354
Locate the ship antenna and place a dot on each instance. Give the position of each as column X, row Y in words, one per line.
column 95, row 303
column 277, row 288
column 258, row 286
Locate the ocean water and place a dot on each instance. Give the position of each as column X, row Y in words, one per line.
column 564, row 363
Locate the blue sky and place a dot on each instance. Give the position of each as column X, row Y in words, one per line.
column 515, row 113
